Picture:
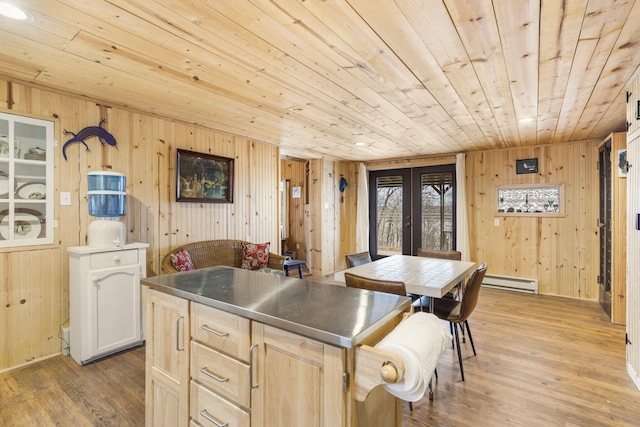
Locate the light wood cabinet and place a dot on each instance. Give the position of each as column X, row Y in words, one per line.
column 167, row 360
column 299, row 381
column 220, row 367
column 239, row 372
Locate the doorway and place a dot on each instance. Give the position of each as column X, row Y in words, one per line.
column 604, row 225
column 412, row 208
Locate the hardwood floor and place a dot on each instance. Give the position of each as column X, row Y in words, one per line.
column 542, row 361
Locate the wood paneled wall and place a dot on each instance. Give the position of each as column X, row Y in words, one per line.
column 346, row 204
column 295, row 172
column 322, row 223
column 34, row 281
column 562, row 253
column 328, row 226
column 618, row 233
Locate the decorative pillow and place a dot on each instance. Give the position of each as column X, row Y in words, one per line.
column 255, row 255
column 181, row 261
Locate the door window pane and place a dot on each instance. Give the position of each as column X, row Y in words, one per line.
column 389, row 214
column 437, row 220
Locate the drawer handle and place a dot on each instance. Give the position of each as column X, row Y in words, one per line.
column 208, row 329
column 251, row 363
column 178, row 334
column 214, row 376
column 208, row 417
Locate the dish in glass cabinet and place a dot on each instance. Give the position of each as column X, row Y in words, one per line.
column 27, row 224
column 4, row 147
column 4, row 185
column 31, row 190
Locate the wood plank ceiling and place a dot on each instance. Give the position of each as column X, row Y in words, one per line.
column 404, row 77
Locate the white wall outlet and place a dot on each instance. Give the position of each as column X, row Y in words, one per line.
column 496, row 222
column 65, row 198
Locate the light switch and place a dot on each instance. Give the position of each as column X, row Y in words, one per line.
column 65, row 198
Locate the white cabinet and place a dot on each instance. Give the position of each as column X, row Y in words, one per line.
column 104, row 300
column 26, row 181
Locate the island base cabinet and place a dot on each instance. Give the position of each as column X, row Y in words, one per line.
column 278, row 378
column 209, row 409
column 296, row 381
column 167, row 360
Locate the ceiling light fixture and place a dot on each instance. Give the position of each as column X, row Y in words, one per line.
column 526, row 120
column 360, row 143
column 14, row 12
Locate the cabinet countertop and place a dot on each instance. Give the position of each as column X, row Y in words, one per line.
column 333, row 314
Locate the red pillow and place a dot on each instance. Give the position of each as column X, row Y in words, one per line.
column 181, row 261
column 255, row 255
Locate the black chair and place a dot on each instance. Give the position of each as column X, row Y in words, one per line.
column 357, row 259
column 457, row 312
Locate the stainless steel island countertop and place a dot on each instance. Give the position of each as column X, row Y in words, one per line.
column 332, row 314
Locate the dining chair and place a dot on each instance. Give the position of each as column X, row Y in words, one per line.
column 457, row 312
column 357, row 259
column 452, row 255
column 387, row 286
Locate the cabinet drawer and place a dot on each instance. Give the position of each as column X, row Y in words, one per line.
column 114, row 259
column 208, row 409
column 222, row 374
column 225, row 332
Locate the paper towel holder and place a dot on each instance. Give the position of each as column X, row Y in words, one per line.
column 374, row 367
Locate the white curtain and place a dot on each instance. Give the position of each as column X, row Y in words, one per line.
column 462, row 223
column 362, row 210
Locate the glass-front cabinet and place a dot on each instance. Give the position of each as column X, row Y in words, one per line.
column 26, row 181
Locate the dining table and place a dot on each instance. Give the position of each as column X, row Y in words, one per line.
column 422, row 276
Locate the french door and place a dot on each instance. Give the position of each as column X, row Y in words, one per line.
column 410, row 209
column 604, row 223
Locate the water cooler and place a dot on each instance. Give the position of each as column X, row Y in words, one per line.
column 105, row 313
column 107, row 203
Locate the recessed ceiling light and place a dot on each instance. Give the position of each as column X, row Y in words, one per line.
column 360, row 143
column 526, row 120
column 14, row 12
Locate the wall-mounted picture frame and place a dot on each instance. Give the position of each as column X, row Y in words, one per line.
column 204, row 178
column 623, row 163
column 527, row 166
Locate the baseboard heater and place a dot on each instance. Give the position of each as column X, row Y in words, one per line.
column 518, row 284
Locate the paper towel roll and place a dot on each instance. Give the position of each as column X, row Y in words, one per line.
column 419, row 340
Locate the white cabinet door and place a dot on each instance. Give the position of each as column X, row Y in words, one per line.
column 115, row 308
column 633, row 261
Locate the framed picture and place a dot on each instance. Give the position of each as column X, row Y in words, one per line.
column 527, row 166
column 204, row 178
column 623, row 164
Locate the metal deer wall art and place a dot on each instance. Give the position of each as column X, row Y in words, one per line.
column 97, row 131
